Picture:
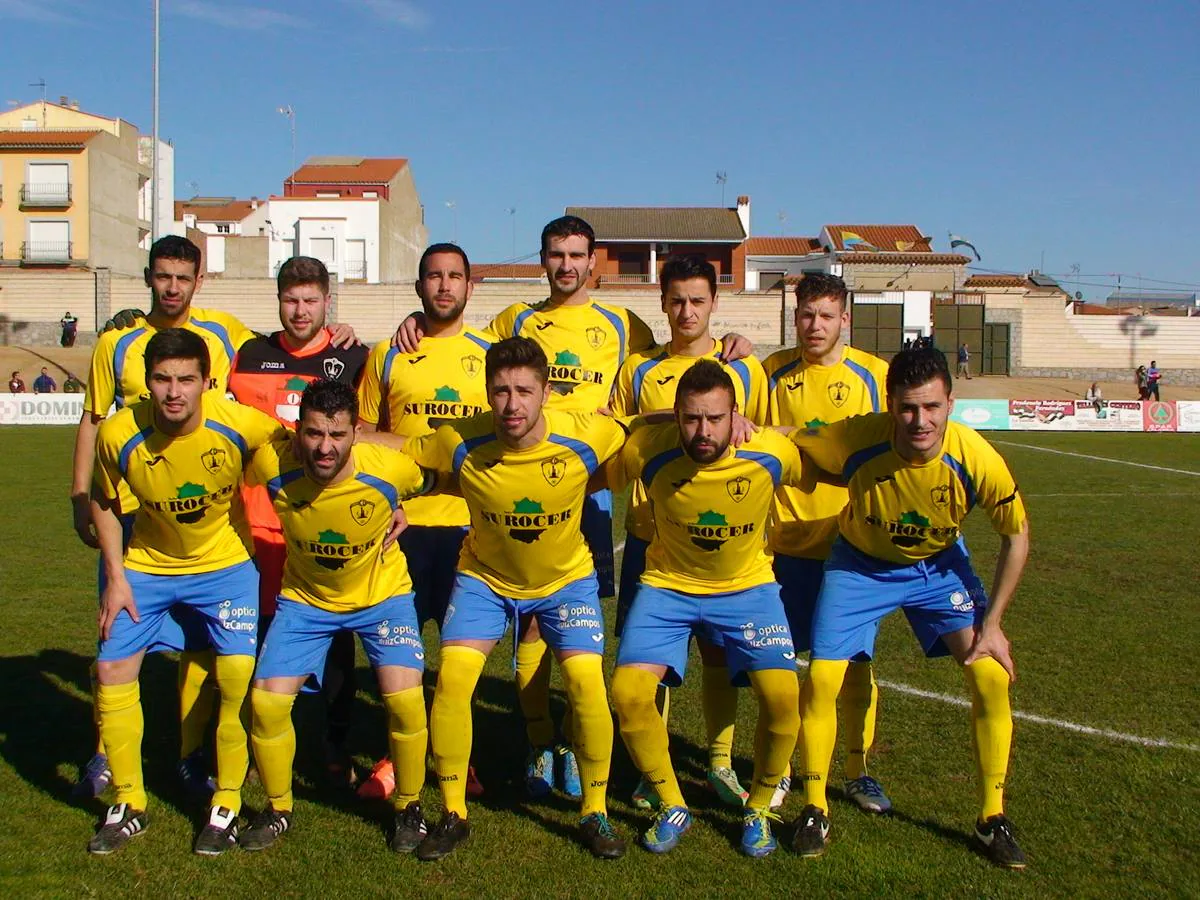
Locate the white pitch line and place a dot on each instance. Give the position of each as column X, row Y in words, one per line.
column 1115, row 494
column 1123, row 462
column 1062, row 724
column 617, row 549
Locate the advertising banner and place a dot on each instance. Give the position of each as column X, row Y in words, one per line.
column 1187, row 414
column 982, row 415
column 1076, row 415
column 40, row 409
column 1160, row 415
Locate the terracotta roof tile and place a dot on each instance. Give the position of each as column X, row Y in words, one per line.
column 365, row 171
column 996, row 279
column 782, row 246
column 657, row 223
column 904, row 259
column 41, row 139
column 885, row 238
column 233, row 211
column 506, row 270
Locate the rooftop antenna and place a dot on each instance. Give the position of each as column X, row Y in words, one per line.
column 290, row 113
column 782, row 217
column 195, row 186
column 722, row 177
column 41, row 83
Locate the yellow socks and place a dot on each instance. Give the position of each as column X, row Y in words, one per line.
column 592, row 729
column 233, row 755
column 196, row 698
column 644, row 731
column 778, row 694
column 992, row 727
column 274, row 740
column 407, row 736
column 860, row 703
column 121, row 729
column 719, row 699
column 818, row 726
column 96, row 706
column 450, row 723
column 533, row 691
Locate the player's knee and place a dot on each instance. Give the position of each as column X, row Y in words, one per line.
column 989, row 680
column 633, row 691
column 233, row 676
column 583, row 677
column 458, row 675
column 778, row 694
column 825, row 678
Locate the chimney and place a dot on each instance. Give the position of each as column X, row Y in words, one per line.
column 743, row 212
column 254, row 203
column 62, row 99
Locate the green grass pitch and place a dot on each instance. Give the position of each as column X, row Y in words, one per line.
column 1104, row 626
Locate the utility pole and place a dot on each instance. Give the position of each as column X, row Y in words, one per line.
column 41, row 83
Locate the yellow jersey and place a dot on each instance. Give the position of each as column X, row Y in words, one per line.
column 413, row 393
column 190, row 517
column 902, row 512
column 333, row 533
column 585, row 346
column 525, row 505
column 709, row 521
column 646, row 383
column 117, row 376
column 803, row 395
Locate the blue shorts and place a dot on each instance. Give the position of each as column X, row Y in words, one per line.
column 597, row 529
column 799, row 584
column 750, row 624
column 569, row 619
column 939, row 595
column 299, row 637
column 226, row 601
column 633, row 564
column 432, row 554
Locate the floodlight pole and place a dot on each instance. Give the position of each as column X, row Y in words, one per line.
column 154, row 138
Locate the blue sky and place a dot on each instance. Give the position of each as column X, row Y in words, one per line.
column 1064, row 128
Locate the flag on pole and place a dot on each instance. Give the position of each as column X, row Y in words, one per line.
column 857, row 242
column 957, row 241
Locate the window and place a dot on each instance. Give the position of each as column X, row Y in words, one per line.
column 48, row 241
column 322, row 249
column 48, row 183
column 371, row 195
column 223, row 228
column 356, row 259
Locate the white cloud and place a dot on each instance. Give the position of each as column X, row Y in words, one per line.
column 396, row 12
column 236, row 16
column 34, row 11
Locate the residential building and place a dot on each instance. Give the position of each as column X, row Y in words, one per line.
column 632, row 243
column 75, row 189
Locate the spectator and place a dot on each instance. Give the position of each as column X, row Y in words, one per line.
column 1153, row 376
column 1139, row 378
column 72, row 385
column 1095, row 397
column 15, row 384
column 964, row 361
column 70, row 327
column 44, row 384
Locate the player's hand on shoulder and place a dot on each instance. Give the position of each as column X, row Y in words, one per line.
column 126, row 318
column 735, row 347
column 743, row 429
column 408, row 335
column 342, row 335
column 990, row 640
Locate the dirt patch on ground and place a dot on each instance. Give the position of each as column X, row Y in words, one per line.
column 59, row 361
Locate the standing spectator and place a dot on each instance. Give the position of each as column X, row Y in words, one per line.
column 964, row 361
column 1139, row 379
column 72, row 385
column 15, row 384
column 1153, row 376
column 70, row 327
column 44, row 384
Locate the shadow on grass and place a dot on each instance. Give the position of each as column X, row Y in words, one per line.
column 46, row 724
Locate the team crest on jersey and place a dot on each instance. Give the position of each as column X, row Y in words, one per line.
column 596, row 337
column 471, row 365
column 738, row 488
column 940, row 495
column 213, row 460
column 839, row 392
column 333, row 367
column 361, row 511
column 554, row 469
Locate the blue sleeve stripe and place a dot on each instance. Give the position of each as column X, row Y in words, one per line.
column 773, row 379
column 484, row 345
column 869, row 379
column 773, row 464
column 857, row 460
column 461, row 451
column 389, row 491
column 519, row 322
column 743, row 372
column 964, row 476
column 619, row 326
column 639, row 378
column 119, row 353
column 282, row 480
column 225, row 431
column 652, row 468
column 388, row 359
column 220, row 332
column 582, row 450
column 130, row 445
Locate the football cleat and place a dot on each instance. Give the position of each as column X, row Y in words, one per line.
column 570, row 783
column 444, row 837
column 95, row 779
column 781, row 792
column 410, row 829
column 539, row 772
column 218, row 834
column 868, row 794
column 812, row 833
column 757, row 839
column 725, row 782
column 599, row 837
column 193, row 773
column 998, row 843
column 669, row 826
column 265, row 829
column 121, row 824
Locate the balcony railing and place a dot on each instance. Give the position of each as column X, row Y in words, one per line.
column 52, row 252
column 51, row 195
column 639, row 278
column 725, row 278
column 355, row 271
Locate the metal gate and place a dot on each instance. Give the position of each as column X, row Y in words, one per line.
column 876, row 327
column 954, row 325
column 995, row 348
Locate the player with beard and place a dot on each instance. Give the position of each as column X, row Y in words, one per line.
column 181, row 454
column 707, row 574
column 912, row 477
column 412, row 394
column 335, row 497
column 819, row 381
column 270, row 374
